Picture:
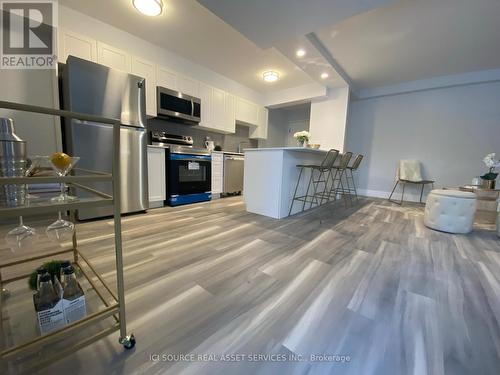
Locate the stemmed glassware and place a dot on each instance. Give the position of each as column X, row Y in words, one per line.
column 62, row 165
column 21, row 236
column 60, row 230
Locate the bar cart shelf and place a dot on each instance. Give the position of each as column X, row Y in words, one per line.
column 113, row 303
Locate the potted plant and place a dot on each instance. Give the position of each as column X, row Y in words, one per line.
column 490, row 177
column 302, row 138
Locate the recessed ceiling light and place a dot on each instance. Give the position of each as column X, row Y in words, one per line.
column 324, row 75
column 300, row 53
column 148, row 7
column 270, row 76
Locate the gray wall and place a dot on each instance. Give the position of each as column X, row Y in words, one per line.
column 449, row 130
column 283, row 123
column 228, row 142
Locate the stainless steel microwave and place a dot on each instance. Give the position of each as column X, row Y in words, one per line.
column 177, row 106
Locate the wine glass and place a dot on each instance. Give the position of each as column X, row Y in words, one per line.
column 60, row 230
column 62, row 167
column 21, row 236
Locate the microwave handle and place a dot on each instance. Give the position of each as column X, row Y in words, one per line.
column 192, row 108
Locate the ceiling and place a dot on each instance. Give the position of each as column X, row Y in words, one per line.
column 192, row 31
column 411, row 40
column 367, row 43
column 269, row 23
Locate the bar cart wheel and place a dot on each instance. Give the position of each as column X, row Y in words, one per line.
column 128, row 342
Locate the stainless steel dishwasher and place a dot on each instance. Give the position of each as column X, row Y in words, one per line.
column 233, row 173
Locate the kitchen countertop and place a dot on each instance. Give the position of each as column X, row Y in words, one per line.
column 299, row 149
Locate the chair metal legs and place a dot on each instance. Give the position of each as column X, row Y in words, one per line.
column 403, row 183
column 402, row 193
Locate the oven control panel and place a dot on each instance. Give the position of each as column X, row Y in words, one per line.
column 164, row 137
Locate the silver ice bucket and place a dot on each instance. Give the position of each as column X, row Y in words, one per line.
column 13, row 163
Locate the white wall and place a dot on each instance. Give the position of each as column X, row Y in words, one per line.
column 329, row 119
column 449, row 130
column 283, row 123
column 297, row 119
column 91, row 27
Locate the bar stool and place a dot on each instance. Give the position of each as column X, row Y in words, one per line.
column 325, row 166
column 349, row 174
column 339, row 172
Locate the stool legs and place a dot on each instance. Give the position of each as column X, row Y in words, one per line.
column 295, row 192
column 354, row 185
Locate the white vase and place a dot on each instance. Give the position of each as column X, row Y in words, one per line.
column 302, row 143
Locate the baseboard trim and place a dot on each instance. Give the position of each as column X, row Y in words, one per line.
column 409, row 196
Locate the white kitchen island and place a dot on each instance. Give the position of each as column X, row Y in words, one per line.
column 271, row 175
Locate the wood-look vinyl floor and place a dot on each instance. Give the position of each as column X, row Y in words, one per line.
column 369, row 282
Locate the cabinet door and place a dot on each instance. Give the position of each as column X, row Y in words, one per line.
column 230, row 112
column 217, row 172
column 218, row 109
column 146, row 69
column 188, row 86
column 156, row 174
column 77, row 45
column 247, row 111
column 260, row 131
column 205, row 94
column 167, row 79
column 113, row 57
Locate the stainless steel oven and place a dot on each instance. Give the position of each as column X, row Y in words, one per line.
column 188, row 170
column 177, row 106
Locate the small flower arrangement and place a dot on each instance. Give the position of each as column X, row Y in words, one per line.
column 302, row 137
column 492, row 163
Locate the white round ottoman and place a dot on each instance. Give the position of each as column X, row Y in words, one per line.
column 450, row 211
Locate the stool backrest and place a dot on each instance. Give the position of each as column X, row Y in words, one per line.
column 330, row 158
column 344, row 161
column 357, row 162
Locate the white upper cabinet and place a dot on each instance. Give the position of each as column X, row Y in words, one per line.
column 260, row 131
column 218, row 109
column 230, row 112
column 166, row 78
column 188, row 86
column 247, row 111
column 147, row 70
column 113, row 57
column 74, row 44
column 205, row 94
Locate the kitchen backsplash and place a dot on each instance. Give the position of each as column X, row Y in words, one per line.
column 228, row 142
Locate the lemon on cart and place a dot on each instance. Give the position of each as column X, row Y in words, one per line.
column 60, row 160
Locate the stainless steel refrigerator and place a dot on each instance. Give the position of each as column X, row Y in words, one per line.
column 95, row 89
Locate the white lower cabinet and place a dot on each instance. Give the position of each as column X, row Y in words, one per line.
column 156, row 176
column 217, row 174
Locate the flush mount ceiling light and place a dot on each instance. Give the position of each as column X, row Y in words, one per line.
column 324, row 75
column 270, row 76
column 300, row 52
column 149, row 7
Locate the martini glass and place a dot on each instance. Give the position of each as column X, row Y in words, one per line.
column 60, row 230
column 21, row 236
column 62, row 171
